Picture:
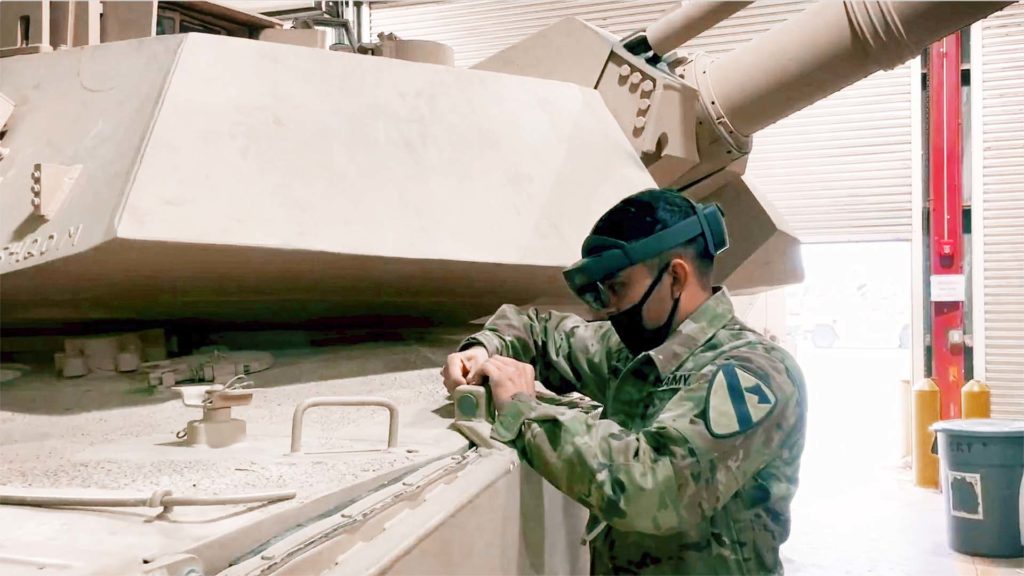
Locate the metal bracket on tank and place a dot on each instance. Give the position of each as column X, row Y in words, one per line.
column 474, row 415
column 473, row 404
column 217, row 429
column 51, row 184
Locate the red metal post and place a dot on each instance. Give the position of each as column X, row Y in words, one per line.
column 947, row 243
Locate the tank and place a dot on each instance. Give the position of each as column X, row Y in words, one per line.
column 233, row 260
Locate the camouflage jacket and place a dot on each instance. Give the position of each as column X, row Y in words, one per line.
column 691, row 462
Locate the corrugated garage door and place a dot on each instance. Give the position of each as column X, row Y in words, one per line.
column 475, row 29
column 1002, row 61
column 838, row 171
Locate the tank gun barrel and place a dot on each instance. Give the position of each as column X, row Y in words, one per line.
column 676, row 27
column 826, row 48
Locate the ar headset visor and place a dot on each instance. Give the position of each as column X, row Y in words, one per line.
column 610, row 256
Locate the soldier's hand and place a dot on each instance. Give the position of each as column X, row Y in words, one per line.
column 507, row 378
column 460, row 364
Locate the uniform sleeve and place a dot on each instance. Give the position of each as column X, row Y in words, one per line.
column 670, row 476
column 571, row 400
column 568, row 353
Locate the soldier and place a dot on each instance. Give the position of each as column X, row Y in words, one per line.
column 690, row 461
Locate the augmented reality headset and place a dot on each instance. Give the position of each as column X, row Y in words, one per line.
column 610, row 256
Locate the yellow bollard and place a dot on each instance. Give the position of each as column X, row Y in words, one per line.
column 906, row 423
column 976, row 400
column 926, row 413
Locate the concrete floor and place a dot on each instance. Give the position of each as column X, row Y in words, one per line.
column 857, row 511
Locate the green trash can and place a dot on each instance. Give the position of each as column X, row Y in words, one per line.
column 982, row 468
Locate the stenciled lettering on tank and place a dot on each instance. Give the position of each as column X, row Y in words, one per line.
column 40, row 245
column 51, row 239
column 10, row 251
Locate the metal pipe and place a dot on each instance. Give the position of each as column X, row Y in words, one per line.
column 228, row 500
column 308, row 403
column 824, row 49
column 675, row 28
column 159, row 499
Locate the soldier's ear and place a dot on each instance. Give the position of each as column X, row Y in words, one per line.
column 682, row 272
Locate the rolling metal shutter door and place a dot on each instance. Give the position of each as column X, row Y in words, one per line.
column 1002, row 148
column 840, row 170
column 837, row 171
column 475, row 29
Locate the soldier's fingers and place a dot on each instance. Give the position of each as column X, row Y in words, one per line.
column 470, row 361
column 487, row 369
column 497, row 372
column 452, row 372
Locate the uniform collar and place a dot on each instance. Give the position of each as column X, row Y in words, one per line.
column 709, row 318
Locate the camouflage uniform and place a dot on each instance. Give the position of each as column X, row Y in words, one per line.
column 691, row 464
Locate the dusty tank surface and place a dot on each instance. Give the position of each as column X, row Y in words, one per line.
column 232, row 263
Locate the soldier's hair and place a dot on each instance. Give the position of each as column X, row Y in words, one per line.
column 649, row 211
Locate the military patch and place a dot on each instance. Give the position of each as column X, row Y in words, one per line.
column 736, row 401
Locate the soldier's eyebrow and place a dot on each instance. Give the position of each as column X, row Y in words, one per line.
column 616, row 282
column 621, row 276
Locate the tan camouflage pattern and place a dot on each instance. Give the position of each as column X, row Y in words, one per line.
column 666, row 496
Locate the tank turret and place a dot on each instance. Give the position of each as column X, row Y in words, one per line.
column 691, row 118
column 313, row 196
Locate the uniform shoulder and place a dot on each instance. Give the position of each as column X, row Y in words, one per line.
column 751, row 351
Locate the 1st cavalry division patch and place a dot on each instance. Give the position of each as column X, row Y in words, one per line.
column 736, row 402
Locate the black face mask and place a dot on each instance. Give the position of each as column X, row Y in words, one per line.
column 629, row 324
